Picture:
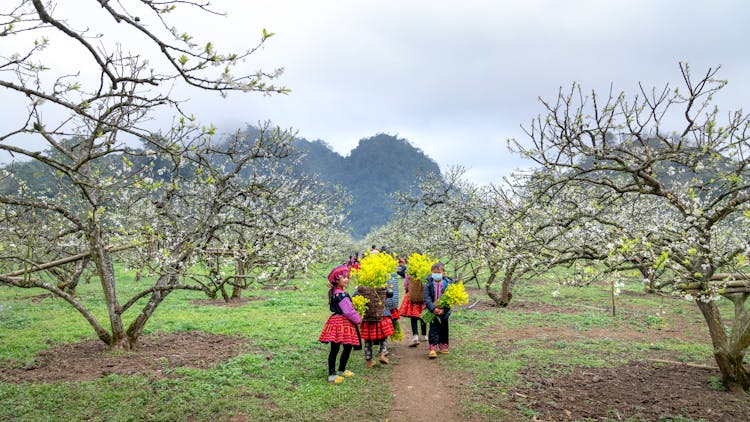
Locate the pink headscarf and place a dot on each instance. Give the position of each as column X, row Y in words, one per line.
column 341, row 270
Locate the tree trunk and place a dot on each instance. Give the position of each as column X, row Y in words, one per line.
column 729, row 359
column 506, row 291
column 106, row 272
column 648, row 287
column 239, row 270
column 136, row 327
column 488, row 288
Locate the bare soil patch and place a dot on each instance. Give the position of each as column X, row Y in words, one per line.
column 642, row 390
column 657, row 388
column 154, row 353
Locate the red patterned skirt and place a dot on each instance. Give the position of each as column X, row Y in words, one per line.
column 339, row 329
column 410, row 309
column 377, row 330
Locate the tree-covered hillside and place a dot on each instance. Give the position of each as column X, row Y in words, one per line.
column 375, row 169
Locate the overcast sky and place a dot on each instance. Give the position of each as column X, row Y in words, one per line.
column 457, row 79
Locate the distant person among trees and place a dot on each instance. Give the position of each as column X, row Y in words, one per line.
column 373, row 249
column 353, row 261
column 435, row 286
column 341, row 327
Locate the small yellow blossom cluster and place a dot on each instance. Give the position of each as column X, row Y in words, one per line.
column 360, row 304
column 374, row 270
column 419, row 266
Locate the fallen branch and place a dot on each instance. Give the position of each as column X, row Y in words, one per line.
column 472, row 305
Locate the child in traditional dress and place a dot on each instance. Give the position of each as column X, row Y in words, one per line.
column 376, row 332
column 434, row 287
column 390, row 311
column 341, row 327
column 413, row 310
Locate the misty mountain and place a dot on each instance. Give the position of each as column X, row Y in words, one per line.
column 378, row 167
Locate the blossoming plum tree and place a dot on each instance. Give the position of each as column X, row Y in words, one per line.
column 106, row 198
column 692, row 176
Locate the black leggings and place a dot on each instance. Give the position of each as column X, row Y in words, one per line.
column 414, row 325
column 344, row 357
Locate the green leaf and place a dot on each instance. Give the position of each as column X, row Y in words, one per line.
column 183, row 59
column 267, row 34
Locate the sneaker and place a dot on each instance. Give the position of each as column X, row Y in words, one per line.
column 383, row 359
column 347, row 373
column 444, row 351
column 370, row 363
column 335, row 379
column 432, row 354
column 414, row 341
column 424, row 337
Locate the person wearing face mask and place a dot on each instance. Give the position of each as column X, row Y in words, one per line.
column 434, row 287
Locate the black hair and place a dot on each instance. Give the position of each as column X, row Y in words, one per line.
column 334, row 284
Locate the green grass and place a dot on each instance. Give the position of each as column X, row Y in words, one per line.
column 289, row 386
column 283, row 378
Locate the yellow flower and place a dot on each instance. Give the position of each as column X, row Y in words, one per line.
column 419, row 266
column 374, row 270
column 360, row 304
column 455, row 294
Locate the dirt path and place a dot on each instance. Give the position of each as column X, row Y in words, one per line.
column 416, row 395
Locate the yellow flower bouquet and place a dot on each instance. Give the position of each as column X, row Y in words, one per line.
column 360, row 304
column 454, row 295
column 374, row 270
column 420, row 266
column 371, row 278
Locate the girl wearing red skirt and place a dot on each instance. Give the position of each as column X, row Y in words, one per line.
column 341, row 327
column 413, row 310
column 377, row 332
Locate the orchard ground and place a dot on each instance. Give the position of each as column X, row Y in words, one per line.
column 543, row 358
